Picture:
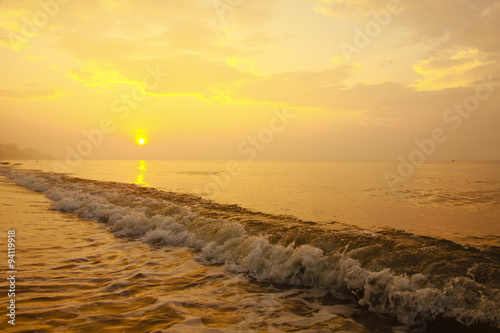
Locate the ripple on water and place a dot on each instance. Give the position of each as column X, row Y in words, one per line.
column 107, row 284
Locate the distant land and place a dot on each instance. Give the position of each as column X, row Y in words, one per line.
column 13, row 152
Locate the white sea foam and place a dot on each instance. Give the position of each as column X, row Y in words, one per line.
column 412, row 299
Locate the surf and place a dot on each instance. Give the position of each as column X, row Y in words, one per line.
column 413, row 278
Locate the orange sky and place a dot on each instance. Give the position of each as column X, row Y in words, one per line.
column 210, row 79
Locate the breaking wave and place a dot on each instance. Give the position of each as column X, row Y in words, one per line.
column 412, row 278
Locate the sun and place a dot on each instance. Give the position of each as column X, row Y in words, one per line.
column 141, row 141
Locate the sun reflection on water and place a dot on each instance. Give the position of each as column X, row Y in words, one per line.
column 140, row 177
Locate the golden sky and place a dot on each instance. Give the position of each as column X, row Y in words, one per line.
column 198, row 79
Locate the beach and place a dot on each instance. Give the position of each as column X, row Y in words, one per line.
column 118, row 256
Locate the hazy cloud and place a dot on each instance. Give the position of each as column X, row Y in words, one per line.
column 32, row 93
column 227, row 69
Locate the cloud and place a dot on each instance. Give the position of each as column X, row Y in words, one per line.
column 456, row 69
column 387, row 63
column 306, row 89
column 466, row 24
column 358, row 8
column 453, row 41
column 32, row 93
column 97, row 75
column 102, row 30
column 115, row 41
column 429, row 57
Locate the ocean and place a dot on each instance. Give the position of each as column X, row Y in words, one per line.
column 188, row 246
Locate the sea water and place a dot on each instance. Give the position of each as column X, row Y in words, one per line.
column 261, row 246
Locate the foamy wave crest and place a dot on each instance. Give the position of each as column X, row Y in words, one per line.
column 413, row 298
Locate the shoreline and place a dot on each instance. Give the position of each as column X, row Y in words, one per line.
column 298, row 240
